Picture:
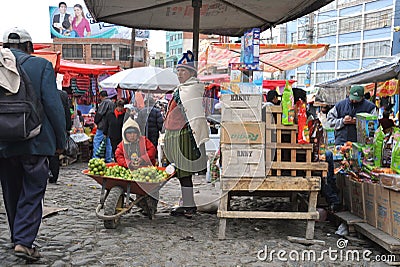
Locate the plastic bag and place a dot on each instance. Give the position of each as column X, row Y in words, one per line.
column 287, row 105
column 101, row 151
column 71, row 148
column 378, row 145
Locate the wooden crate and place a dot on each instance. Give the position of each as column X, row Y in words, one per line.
column 283, row 155
column 243, row 160
column 242, row 133
column 292, row 159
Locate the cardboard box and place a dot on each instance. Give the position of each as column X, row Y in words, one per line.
column 240, row 114
column 242, row 133
column 383, row 211
column 395, row 213
column 346, row 193
column 370, row 203
column 357, row 199
column 241, row 107
column 366, row 125
column 243, row 160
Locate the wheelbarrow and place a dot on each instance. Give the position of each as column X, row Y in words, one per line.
column 116, row 198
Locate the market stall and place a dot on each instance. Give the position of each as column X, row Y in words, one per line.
column 368, row 176
column 378, row 78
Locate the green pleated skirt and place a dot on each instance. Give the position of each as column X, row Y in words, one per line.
column 180, row 149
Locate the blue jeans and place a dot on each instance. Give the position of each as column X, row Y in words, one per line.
column 96, row 143
column 329, row 188
column 24, row 180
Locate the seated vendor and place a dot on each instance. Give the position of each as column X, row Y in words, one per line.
column 135, row 150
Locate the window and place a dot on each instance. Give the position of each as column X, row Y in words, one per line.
column 139, row 54
column 330, row 55
column 349, row 51
column 378, row 20
column 377, row 49
column 72, row 51
column 302, row 33
column 325, row 76
column 293, row 37
column 179, row 51
column 124, row 53
column 301, row 77
column 102, row 51
column 350, row 24
column 327, row 28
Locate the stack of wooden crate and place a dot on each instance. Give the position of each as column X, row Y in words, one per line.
column 284, row 156
column 287, row 165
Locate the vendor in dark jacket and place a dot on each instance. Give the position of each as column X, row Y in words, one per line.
column 113, row 125
column 150, row 121
column 343, row 115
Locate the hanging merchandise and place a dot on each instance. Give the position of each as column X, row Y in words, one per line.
column 303, row 133
column 395, row 164
column 287, row 105
column 75, row 89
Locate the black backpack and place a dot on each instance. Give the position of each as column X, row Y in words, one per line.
column 21, row 113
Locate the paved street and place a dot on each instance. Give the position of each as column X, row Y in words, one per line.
column 76, row 237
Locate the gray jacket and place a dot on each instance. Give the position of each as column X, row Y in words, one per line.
column 104, row 107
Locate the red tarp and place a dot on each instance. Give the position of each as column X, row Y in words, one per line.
column 72, row 67
column 216, row 78
column 272, row 84
column 63, row 66
column 273, row 57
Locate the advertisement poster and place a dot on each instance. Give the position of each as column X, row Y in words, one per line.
column 251, row 46
column 75, row 21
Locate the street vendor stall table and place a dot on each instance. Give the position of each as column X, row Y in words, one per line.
column 271, row 164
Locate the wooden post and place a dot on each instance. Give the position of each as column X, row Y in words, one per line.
column 132, row 54
column 196, row 4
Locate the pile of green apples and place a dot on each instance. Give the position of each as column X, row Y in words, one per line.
column 118, row 172
column 149, row 174
column 97, row 166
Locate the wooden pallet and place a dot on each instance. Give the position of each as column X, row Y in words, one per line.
column 270, row 184
column 283, row 155
column 349, row 219
column 381, row 238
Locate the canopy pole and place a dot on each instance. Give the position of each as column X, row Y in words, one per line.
column 375, row 91
column 196, row 4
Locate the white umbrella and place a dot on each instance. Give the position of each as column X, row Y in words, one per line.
column 143, row 78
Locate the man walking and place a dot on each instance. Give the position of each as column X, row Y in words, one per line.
column 105, row 106
column 24, row 164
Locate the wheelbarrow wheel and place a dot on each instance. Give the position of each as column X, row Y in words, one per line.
column 113, row 202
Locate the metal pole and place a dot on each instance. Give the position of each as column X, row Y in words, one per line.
column 132, row 54
column 310, row 40
column 196, row 4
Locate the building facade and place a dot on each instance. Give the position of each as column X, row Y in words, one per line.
column 358, row 32
column 102, row 51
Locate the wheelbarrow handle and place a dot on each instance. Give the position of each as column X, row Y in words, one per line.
column 119, row 214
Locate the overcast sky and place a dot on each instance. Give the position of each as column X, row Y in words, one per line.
column 35, row 18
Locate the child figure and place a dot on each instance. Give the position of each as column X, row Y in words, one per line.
column 135, row 150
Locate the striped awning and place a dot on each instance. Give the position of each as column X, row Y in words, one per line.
column 273, row 57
